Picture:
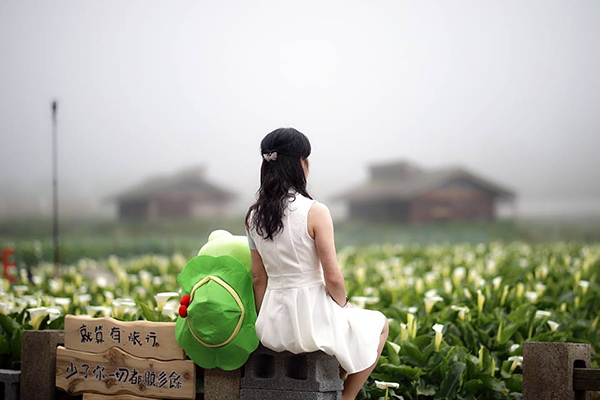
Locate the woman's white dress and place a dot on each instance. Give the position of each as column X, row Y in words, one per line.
column 297, row 314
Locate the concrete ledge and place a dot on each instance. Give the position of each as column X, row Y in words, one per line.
column 286, row 371
column 266, row 394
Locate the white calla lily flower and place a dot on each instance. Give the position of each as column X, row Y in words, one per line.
column 553, row 325
column 37, row 315
column 385, row 385
column 496, row 282
column 171, row 309
column 430, row 302
column 403, row 331
column 121, row 307
column 395, row 346
column 161, row 299
column 438, row 335
column 104, row 310
column 84, row 299
column 531, row 296
column 462, row 311
column 413, row 309
column 480, row 300
column 517, row 361
column 362, row 301
column 64, row 302
column 542, row 313
column 20, row 289
column 54, row 313
column 5, row 308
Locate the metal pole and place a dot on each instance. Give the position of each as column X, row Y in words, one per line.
column 55, row 185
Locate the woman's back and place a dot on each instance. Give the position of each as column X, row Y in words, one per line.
column 292, row 250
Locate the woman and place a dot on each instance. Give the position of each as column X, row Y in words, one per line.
column 298, row 286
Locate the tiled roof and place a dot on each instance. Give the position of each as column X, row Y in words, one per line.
column 403, row 181
column 190, row 181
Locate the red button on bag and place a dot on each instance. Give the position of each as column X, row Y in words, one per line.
column 182, row 311
column 185, row 300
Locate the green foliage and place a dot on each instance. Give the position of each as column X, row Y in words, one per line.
column 489, row 299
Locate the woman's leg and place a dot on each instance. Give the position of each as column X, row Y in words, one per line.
column 355, row 381
column 343, row 373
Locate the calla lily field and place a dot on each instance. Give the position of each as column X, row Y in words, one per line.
column 458, row 314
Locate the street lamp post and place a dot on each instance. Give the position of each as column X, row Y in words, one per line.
column 55, row 186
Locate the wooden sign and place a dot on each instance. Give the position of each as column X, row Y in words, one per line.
column 117, row 372
column 95, row 396
column 139, row 338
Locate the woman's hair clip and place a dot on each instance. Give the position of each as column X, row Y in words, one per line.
column 271, row 156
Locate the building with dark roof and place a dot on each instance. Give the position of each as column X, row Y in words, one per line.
column 403, row 192
column 185, row 194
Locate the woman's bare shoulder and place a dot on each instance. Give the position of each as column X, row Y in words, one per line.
column 318, row 214
column 319, row 208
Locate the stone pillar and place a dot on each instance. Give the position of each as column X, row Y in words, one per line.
column 222, row 385
column 287, row 376
column 38, row 363
column 548, row 370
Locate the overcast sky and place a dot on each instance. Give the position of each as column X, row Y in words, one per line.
column 509, row 89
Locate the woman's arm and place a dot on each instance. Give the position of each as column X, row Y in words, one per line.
column 259, row 278
column 321, row 225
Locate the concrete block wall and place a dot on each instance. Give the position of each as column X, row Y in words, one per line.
column 9, row 384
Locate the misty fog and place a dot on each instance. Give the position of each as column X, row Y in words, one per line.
column 508, row 90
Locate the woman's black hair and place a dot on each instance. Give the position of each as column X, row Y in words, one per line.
column 277, row 177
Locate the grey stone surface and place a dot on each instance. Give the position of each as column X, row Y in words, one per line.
column 221, row 385
column 10, row 380
column 38, row 363
column 548, row 369
column 307, row 372
column 269, row 394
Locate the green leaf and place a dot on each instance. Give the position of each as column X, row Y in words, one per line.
column 507, row 332
column 58, row 323
column 402, row 371
column 392, row 355
column 4, row 345
column 422, row 340
column 472, row 368
column 20, row 318
column 474, row 385
column 489, row 382
column 519, row 316
column 412, row 354
column 147, row 312
column 425, row 390
column 8, row 324
column 452, row 381
column 515, row 383
column 44, row 323
column 15, row 343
